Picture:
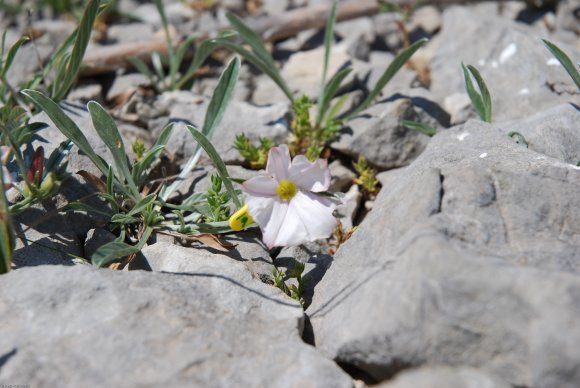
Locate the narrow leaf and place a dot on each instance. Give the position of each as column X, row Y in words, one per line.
column 67, row 126
column 485, row 96
column 421, row 127
column 221, row 96
column 218, row 163
column 117, row 249
column 397, row 63
column 61, row 86
column 107, row 130
column 330, row 91
column 564, row 60
column 252, row 39
column 328, row 38
column 11, row 54
column 474, row 96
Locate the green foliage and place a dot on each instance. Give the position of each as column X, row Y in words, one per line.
column 564, row 60
column 481, row 100
column 257, row 156
column 367, row 176
column 421, row 127
column 310, row 136
column 174, row 60
column 136, row 211
column 293, row 291
column 6, row 231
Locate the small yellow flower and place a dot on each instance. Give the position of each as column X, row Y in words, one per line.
column 240, row 219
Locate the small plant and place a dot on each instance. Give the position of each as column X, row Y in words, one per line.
column 481, row 100
column 296, row 292
column 137, row 208
column 255, row 155
column 367, row 176
column 310, row 135
column 173, row 61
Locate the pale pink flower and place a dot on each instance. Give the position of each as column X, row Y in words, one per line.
column 283, row 200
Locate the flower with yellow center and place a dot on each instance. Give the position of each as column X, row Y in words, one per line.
column 284, row 199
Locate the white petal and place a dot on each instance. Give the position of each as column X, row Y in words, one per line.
column 315, row 212
column 307, row 218
column 262, row 186
column 272, row 227
column 278, row 162
column 311, row 176
column 260, row 208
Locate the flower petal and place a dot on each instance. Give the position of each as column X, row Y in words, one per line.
column 307, row 218
column 278, row 162
column 261, row 186
column 311, row 176
column 275, row 224
column 315, row 212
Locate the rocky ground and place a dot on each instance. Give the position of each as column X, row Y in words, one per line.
column 464, row 273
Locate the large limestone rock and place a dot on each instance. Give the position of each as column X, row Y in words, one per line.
column 470, row 257
column 84, row 327
column 522, row 75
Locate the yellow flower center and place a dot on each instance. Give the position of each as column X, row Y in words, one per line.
column 286, row 190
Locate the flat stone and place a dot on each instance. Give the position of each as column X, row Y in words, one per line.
column 81, row 326
column 470, row 256
column 521, row 74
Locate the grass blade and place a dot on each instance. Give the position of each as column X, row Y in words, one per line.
column 564, row 60
column 66, row 126
column 107, row 130
column 6, row 231
column 330, row 91
column 485, row 96
column 253, row 39
column 421, row 127
column 397, row 63
column 218, row 163
column 215, row 111
column 328, row 38
column 221, row 97
column 11, row 54
column 271, row 71
column 481, row 103
column 72, row 65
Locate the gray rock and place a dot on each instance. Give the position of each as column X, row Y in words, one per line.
column 342, row 177
column 132, row 32
column 249, row 250
column 568, row 16
column 303, row 73
column 85, row 93
column 378, row 135
column 254, row 121
column 273, row 7
column 436, row 377
column 346, row 212
column 521, row 74
column 39, row 246
column 127, row 83
column 553, row 132
column 425, row 20
column 82, row 326
column 470, row 257
column 387, row 31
